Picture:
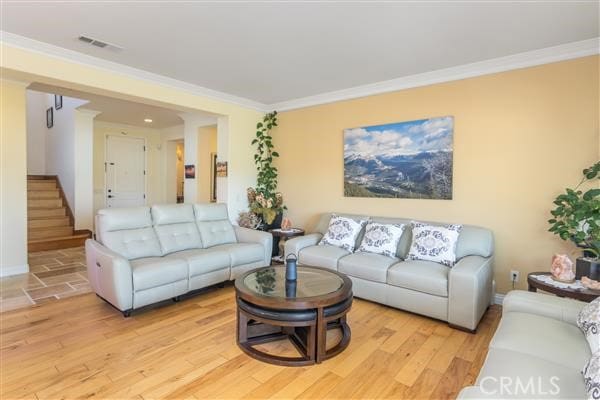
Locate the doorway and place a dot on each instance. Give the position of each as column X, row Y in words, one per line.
column 125, row 168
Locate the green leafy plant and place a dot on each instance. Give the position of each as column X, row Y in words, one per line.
column 577, row 214
column 264, row 200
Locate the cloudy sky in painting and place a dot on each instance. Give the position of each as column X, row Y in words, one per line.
column 403, row 138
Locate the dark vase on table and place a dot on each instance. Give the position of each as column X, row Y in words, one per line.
column 276, row 224
column 587, row 266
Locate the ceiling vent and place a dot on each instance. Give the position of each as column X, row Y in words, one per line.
column 98, row 43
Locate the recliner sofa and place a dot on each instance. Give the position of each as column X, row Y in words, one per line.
column 144, row 255
column 537, row 352
column 459, row 295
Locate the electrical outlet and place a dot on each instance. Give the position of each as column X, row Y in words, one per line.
column 514, row 275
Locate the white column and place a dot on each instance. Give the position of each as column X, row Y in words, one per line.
column 191, row 123
column 83, row 210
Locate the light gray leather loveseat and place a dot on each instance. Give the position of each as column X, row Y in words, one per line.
column 144, row 255
column 459, row 295
column 537, row 352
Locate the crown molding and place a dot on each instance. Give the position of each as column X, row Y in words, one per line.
column 516, row 61
column 61, row 53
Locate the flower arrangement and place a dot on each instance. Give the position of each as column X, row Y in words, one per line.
column 264, row 200
column 267, row 206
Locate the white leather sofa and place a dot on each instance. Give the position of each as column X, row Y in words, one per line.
column 459, row 295
column 538, row 351
column 145, row 255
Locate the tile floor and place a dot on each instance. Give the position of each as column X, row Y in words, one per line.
column 53, row 275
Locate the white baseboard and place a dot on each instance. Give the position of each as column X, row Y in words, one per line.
column 14, row 270
column 498, row 298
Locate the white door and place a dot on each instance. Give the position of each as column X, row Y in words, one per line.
column 125, row 171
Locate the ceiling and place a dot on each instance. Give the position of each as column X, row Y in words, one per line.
column 117, row 110
column 271, row 52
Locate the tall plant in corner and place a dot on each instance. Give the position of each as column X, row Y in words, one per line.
column 576, row 217
column 264, row 200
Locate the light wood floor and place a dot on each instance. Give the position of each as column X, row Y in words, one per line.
column 80, row 347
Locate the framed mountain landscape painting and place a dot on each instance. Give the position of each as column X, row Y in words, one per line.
column 411, row 160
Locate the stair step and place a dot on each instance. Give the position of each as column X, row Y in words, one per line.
column 43, row 194
column 41, row 184
column 47, row 203
column 50, row 232
column 45, row 222
column 56, row 243
column 46, row 212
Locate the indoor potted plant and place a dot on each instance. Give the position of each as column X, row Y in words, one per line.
column 577, row 218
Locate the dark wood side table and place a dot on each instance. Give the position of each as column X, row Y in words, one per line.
column 583, row 294
column 280, row 236
column 270, row 308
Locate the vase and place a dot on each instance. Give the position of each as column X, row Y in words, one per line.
column 276, row 224
column 586, row 266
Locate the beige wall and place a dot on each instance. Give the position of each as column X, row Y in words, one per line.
column 207, row 144
column 520, row 138
column 13, row 179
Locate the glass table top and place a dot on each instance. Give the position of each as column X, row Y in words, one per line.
column 311, row 282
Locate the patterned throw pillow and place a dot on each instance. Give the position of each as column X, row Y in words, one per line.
column 591, row 377
column 342, row 232
column 434, row 243
column 589, row 322
column 381, row 238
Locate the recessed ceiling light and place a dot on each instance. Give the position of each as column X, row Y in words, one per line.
column 147, row 120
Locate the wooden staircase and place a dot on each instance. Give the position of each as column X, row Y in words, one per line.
column 50, row 220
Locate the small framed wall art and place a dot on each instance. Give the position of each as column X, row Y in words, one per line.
column 50, row 117
column 57, row 101
column 190, row 171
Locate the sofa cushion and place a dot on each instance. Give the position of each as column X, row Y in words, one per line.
column 177, row 237
column 152, row 272
column 213, row 224
column 588, row 321
column 549, row 379
column 423, row 276
column 203, row 261
column 322, row 256
column 214, row 233
column 591, row 376
column 562, row 343
column 343, row 232
column 369, row 266
column 133, row 243
column 242, row 253
column 167, row 214
column 434, row 243
column 381, row 238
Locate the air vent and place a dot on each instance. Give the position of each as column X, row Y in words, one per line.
column 98, row 43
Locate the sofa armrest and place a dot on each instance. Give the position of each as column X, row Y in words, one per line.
column 110, row 275
column 265, row 239
column 546, row 305
column 469, row 290
column 294, row 245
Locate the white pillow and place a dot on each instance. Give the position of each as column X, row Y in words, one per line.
column 342, row 232
column 588, row 321
column 381, row 238
column 591, row 377
column 434, row 243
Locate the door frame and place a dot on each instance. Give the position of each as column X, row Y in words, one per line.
column 120, row 135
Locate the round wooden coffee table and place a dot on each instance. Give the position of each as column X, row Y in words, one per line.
column 583, row 294
column 269, row 308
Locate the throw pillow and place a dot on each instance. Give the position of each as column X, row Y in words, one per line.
column 589, row 322
column 434, row 243
column 342, row 232
column 381, row 238
column 591, row 377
